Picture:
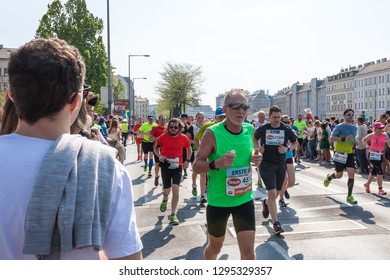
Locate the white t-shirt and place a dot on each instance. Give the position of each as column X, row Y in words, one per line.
column 20, row 161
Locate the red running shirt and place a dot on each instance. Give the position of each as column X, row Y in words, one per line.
column 172, row 146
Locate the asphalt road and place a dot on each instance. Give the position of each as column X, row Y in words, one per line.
column 319, row 223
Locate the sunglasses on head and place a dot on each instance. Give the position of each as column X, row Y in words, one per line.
column 238, row 106
column 93, row 101
column 86, row 90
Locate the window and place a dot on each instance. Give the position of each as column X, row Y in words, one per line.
column 5, row 71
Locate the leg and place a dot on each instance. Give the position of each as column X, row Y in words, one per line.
column 271, row 202
column 213, row 248
column 246, row 243
column 175, row 197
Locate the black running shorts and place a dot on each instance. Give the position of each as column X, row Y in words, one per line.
column 243, row 218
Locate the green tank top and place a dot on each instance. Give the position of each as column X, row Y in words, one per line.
column 125, row 127
column 229, row 187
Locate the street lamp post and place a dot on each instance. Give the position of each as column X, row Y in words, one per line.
column 143, row 78
column 109, row 59
column 131, row 87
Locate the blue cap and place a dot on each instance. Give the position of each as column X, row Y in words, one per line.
column 219, row 112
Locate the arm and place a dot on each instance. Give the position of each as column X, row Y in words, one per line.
column 367, row 138
column 207, row 146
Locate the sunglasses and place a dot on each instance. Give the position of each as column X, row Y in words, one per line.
column 238, row 106
column 349, row 115
column 173, row 127
column 93, row 101
column 286, row 122
column 86, row 91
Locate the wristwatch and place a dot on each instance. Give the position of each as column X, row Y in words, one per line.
column 212, row 165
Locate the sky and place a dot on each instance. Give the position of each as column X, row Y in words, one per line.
column 248, row 44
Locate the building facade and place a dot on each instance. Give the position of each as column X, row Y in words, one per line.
column 5, row 54
column 257, row 101
column 371, row 92
column 206, row 109
column 141, row 107
column 339, row 92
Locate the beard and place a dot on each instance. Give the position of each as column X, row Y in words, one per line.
column 174, row 133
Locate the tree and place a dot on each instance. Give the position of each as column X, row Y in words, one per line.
column 180, row 86
column 118, row 88
column 73, row 23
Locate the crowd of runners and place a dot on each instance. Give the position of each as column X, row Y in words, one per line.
column 223, row 152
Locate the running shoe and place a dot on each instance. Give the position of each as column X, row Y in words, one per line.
column 367, row 187
column 145, row 168
column 163, row 206
column 156, row 181
column 382, row 192
column 259, row 184
column 203, row 199
column 286, row 195
column 327, row 181
column 185, row 175
column 351, row 199
column 265, row 209
column 282, row 203
column 278, row 229
column 194, row 191
column 173, row 219
column 149, row 174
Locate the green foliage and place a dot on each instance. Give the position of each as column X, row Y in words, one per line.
column 73, row 23
column 179, row 87
column 118, row 88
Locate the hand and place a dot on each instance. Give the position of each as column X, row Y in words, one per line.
column 256, row 158
column 282, row 149
column 161, row 158
column 94, row 136
column 185, row 164
column 262, row 149
column 349, row 138
column 226, row 160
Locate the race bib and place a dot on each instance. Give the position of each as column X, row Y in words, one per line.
column 375, row 155
column 274, row 137
column 238, row 181
column 340, row 157
column 173, row 163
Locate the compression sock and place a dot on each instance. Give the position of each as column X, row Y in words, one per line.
column 150, row 164
column 350, row 186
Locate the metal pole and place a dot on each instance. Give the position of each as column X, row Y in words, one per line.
column 109, row 59
column 131, row 107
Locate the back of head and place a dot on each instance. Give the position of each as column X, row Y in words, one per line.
column 43, row 75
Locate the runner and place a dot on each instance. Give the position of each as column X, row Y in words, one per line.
column 192, row 130
column 230, row 177
column 289, row 181
column 301, row 125
column 185, row 120
column 154, row 134
column 169, row 149
column 219, row 117
column 378, row 140
column 138, row 137
column 261, row 121
column 344, row 136
column 274, row 138
column 147, row 145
